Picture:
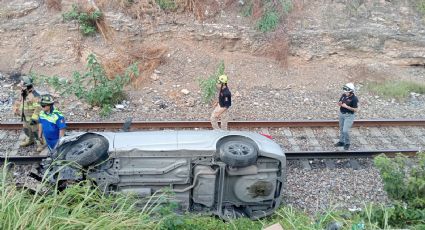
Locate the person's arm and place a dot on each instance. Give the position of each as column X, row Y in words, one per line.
column 61, row 132
column 349, row 108
column 340, row 101
column 40, row 131
column 61, row 125
column 353, row 107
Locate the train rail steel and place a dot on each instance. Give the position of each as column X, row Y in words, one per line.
column 23, row 160
column 232, row 124
column 291, row 155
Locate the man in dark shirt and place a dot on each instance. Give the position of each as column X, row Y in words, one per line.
column 347, row 109
column 223, row 104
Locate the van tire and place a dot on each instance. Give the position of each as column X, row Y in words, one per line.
column 87, row 150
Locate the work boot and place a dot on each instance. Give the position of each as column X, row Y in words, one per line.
column 339, row 144
column 26, row 142
column 40, row 146
column 346, row 147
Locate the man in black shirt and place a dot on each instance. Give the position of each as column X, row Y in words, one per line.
column 223, row 104
column 347, row 109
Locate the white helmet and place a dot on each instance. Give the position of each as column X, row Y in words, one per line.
column 349, row 88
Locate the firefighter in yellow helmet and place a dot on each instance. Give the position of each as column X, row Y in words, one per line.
column 223, row 104
column 28, row 108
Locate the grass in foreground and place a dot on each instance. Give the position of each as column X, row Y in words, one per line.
column 396, row 89
column 83, row 207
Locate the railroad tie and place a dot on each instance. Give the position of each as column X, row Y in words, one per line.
column 15, row 149
column 365, row 145
column 377, row 133
column 288, row 134
column 330, row 163
column 306, row 164
column 312, row 139
column 419, row 134
column 403, row 138
column 354, row 164
column 2, row 135
column 332, row 133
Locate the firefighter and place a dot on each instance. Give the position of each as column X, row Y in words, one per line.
column 223, row 104
column 51, row 122
column 28, row 108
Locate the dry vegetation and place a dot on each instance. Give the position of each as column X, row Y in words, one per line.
column 54, row 4
column 148, row 57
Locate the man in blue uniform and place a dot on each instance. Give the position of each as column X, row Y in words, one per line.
column 51, row 122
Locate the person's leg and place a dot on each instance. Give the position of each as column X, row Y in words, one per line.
column 341, row 126
column 29, row 140
column 214, row 117
column 348, row 123
column 224, row 118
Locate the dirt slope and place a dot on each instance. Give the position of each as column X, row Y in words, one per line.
column 295, row 73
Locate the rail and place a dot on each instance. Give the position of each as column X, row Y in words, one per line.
column 232, row 124
column 291, row 155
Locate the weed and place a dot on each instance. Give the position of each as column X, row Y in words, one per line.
column 167, row 4
column 406, row 186
column 396, row 89
column 287, row 6
column 87, row 20
column 269, row 21
column 208, row 85
column 247, row 9
column 421, row 6
column 94, row 86
column 268, row 12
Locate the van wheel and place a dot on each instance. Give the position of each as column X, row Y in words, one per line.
column 237, row 153
column 87, row 150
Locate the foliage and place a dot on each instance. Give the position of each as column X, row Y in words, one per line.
column 286, row 5
column 82, row 206
column 396, row 89
column 247, row 8
column 94, row 86
column 166, row 4
column 270, row 12
column 406, row 186
column 421, row 6
column 268, row 21
column 86, row 20
column 208, row 85
column 78, row 207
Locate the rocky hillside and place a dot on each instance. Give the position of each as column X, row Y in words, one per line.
column 294, row 72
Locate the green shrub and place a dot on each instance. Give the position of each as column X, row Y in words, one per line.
column 406, row 187
column 269, row 21
column 396, row 89
column 271, row 12
column 166, row 4
column 86, row 20
column 208, row 85
column 421, row 6
column 94, row 86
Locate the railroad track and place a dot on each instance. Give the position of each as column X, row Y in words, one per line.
column 301, row 140
column 136, row 125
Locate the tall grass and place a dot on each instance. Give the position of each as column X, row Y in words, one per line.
column 396, row 89
column 81, row 206
column 78, row 207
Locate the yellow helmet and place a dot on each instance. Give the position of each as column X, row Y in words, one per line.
column 222, row 79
